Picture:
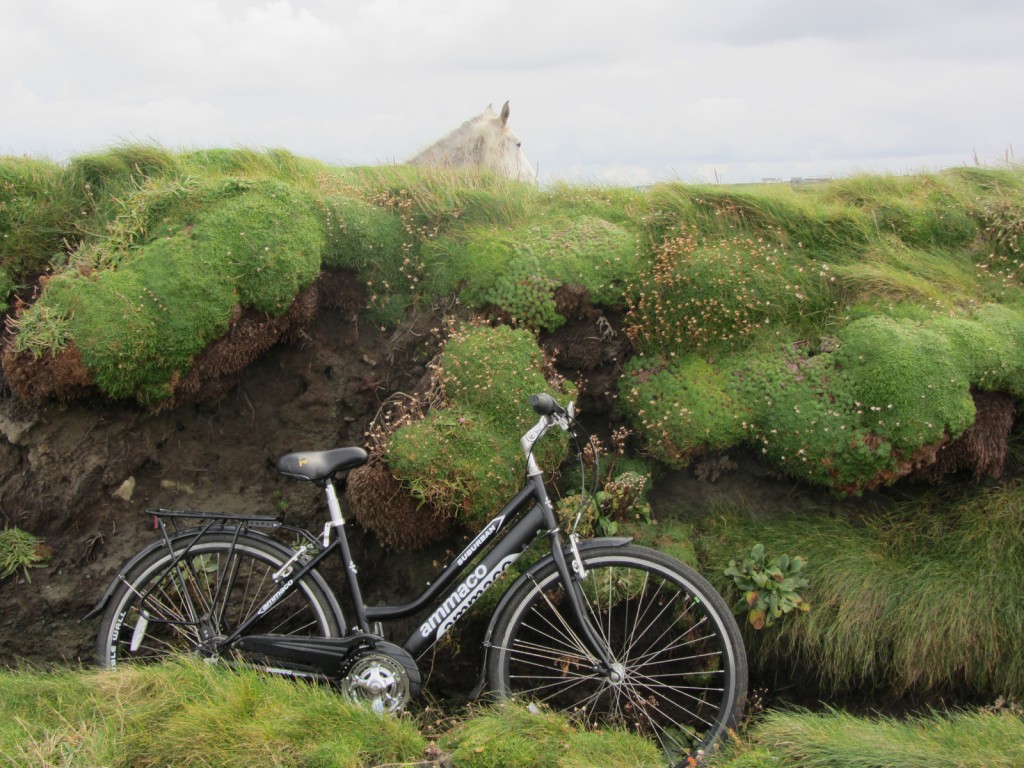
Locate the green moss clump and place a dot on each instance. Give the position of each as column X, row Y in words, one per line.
column 706, row 294
column 858, row 417
column 177, row 284
column 269, row 240
column 374, row 243
column 528, row 297
column 518, row 269
column 909, row 382
column 362, row 236
column 683, row 409
column 464, row 459
column 806, row 420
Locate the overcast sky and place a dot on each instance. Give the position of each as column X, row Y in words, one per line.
column 601, row 91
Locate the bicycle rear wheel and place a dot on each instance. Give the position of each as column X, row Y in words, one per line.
column 171, row 603
column 679, row 653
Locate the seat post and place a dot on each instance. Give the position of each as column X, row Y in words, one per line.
column 333, row 504
column 351, row 572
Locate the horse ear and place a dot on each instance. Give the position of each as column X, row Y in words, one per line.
column 504, row 114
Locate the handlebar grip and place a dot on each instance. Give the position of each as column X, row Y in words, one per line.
column 544, row 404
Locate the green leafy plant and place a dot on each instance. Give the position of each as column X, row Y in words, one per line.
column 771, row 587
column 622, row 499
column 20, row 550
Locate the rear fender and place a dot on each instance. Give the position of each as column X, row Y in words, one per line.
column 161, row 544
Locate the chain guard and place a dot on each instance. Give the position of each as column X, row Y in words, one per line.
column 385, row 677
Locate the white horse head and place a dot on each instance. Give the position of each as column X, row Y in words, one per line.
column 481, row 142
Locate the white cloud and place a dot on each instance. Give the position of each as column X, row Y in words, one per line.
column 600, row 90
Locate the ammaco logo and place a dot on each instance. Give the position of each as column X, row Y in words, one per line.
column 275, row 597
column 459, row 601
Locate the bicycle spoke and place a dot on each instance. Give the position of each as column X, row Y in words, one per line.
column 654, row 686
column 671, row 676
column 569, row 633
column 524, row 648
column 679, row 642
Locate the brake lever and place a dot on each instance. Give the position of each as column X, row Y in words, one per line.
column 566, row 418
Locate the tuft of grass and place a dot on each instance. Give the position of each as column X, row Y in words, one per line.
column 521, row 736
column 188, row 713
column 807, row 219
column 831, row 739
column 19, row 551
column 121, row 167
column 222, row 718
column 276, row 163
column 892, row 272
column 41, row 210
column 441, row 198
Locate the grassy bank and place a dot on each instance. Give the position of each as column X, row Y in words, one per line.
column 191, row 714
column 849, row 334
column 919, row 601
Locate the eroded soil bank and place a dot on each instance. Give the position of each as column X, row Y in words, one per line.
column 82, row 474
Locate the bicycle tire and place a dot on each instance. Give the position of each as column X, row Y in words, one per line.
column 221, row 580
column 682, row 658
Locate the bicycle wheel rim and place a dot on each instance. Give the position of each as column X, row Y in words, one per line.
column 682, row 662
column 160, row 611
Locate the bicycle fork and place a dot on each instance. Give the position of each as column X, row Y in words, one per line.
column 604, row 662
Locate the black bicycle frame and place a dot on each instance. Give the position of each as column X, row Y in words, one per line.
column 538, row 517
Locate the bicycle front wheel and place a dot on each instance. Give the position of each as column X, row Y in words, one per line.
column 177, row 602
column 681, row 667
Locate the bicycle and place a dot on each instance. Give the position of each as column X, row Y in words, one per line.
column 611, row 632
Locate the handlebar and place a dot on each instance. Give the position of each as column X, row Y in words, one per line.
column 545, row 405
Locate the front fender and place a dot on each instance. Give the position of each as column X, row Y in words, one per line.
column 582, row 546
